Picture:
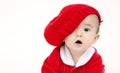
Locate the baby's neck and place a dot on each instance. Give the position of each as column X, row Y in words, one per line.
column 76, row 55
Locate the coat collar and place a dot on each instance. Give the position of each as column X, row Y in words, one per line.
column 67, row 58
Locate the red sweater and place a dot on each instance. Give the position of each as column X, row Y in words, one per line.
column 54, row 64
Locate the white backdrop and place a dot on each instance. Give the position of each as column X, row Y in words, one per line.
column 22, row 22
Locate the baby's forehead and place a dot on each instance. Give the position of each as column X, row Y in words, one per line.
column 90, row 20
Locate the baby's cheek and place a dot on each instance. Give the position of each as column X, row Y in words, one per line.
column 90, row 40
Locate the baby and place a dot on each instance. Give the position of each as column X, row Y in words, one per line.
column 73, row 32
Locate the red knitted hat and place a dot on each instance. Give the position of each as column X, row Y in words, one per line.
column 66, row 22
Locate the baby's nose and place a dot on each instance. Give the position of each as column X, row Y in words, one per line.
column 79, row 33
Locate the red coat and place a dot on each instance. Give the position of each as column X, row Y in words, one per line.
column 54, row 64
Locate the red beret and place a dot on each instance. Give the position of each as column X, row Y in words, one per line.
column 66, row 22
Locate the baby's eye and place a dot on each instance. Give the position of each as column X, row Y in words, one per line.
column 86, row 29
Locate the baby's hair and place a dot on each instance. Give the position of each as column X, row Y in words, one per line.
column 98, row 29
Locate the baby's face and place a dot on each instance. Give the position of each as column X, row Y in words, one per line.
column 84, row 35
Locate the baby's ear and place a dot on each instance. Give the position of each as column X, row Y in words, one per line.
column 96, row 38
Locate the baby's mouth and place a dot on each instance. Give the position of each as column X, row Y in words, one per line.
column 78, row 42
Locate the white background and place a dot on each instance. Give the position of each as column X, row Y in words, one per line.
column 22, row 22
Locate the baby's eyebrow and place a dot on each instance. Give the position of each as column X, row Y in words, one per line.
column 88, row 25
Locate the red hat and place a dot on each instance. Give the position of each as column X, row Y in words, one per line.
column 66, row 22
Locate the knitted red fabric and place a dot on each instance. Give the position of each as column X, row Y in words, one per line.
column 66, row 22
column 54, row 64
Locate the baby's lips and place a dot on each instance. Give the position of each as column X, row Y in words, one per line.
column 78, row 42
